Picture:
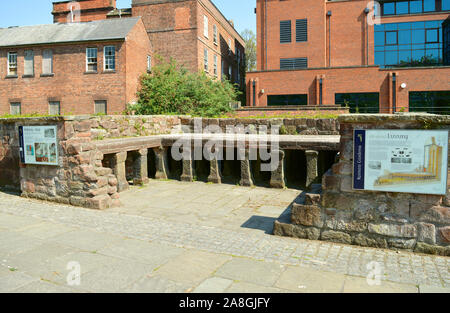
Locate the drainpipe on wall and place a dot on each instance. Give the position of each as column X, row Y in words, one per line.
column 321, row 91
column 329, row 38
column 366, row 11
column 394, row 92
column 265, row 33
column 254, row 93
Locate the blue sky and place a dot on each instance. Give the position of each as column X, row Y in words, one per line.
column 32, row 12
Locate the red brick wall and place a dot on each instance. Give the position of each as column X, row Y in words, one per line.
column 75, row 90
column 171, row 29
column 138, row 47
column 89, row 10
column 349, row 80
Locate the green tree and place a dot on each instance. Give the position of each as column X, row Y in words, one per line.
column 171, row 89
column 250, row 49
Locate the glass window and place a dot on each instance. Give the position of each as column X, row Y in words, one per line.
column 379, row 58
column 418, row 36
column 404, row 37
column 432, row 35
column 47, row 62
column 54, row 108
column 418, row 55
column 429, row 5
column 445, row 5
column 391, row 58
column 15, row 108
column 215, row 65
column 415, row 6
column 433, row 24
column 368, row 102
column 215, row 34
column 279, row 100
column 388, row 8
column 429, row 101
column 100, row 107
column 110, row 58
column 12, row 63
column 29, row 63
column 149, row 63
column 205, row 59
column 379, row 38
column 401, row 7
column 391, row 38
column 404, row 56
column 205, row 26
column 91, row 59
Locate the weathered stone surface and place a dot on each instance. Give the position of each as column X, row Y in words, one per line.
column 311, row 166
column 311, row 233
column 307, row 215
column 364, row 211
column 119, row 170
column 312, row 199
column 370, row 241
column 426, row 233
column 444, row 233
column 391, row 230
column 100, row 202
column 215, row 175
column 336, row 236
column 401, row 243
column 162, row 163
column 140, row 168
column 342, row 220
column 283, row 229
column 78, row 201
column 277, row 178
column 422, row 247
column 103, row 171
column 246, row 171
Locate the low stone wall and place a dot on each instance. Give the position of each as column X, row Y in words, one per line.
column 310, row 110
column 287, row 126
column 80, row 178
column 374, row 219
column 9, row 156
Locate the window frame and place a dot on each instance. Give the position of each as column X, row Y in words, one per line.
column 215, row 34
column 25, row 60
column 54, row 102
column 14, row 103
column 106, row 106
column 206, row 60
column 205, row 26
column 105, row 58
column 149, row 63
column 215, row 65
column 290, row 32
column 10, row 54
column 426, row 35
column 89, row 57
column 51, row 62
column 396, row 38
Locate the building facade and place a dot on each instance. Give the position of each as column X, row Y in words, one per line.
column 374, row 57
column 80, row 68
column 192, row 32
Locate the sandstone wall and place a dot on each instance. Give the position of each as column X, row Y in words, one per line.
column 376, row 219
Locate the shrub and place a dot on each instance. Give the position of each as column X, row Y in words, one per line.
column 170, row 89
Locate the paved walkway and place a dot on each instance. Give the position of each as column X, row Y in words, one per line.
column 192, row 237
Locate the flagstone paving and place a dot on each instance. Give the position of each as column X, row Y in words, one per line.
column 192, row 237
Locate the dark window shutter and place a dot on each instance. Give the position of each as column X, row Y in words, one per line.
column 292, row 64
column 285, row 32
column 301, row 30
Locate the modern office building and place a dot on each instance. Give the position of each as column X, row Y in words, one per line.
column 374, row 57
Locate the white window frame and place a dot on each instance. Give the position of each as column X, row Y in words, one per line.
column 17, row 104
column 107, row 58
column 88, row 57
column 205, row 26
column 230, row 72
column 54, row 102
column 12, row 56
column 149, row 63
column 25, row 60
column 215, row 34
column 215, row 65
column 205, row 59
column 49, row 56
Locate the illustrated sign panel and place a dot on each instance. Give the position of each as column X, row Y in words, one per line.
column 38, row 145
column 412, row 161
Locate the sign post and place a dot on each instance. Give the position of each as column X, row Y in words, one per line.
column 38, row 145
column 409, row 161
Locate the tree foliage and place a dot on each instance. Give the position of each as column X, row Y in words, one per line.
column 170, row 89
column 250, row 49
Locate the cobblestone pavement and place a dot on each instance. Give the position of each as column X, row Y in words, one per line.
column 192, row 237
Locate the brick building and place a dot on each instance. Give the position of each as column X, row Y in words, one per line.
column 325, row 52
column 193, row 32
column 77, row 68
